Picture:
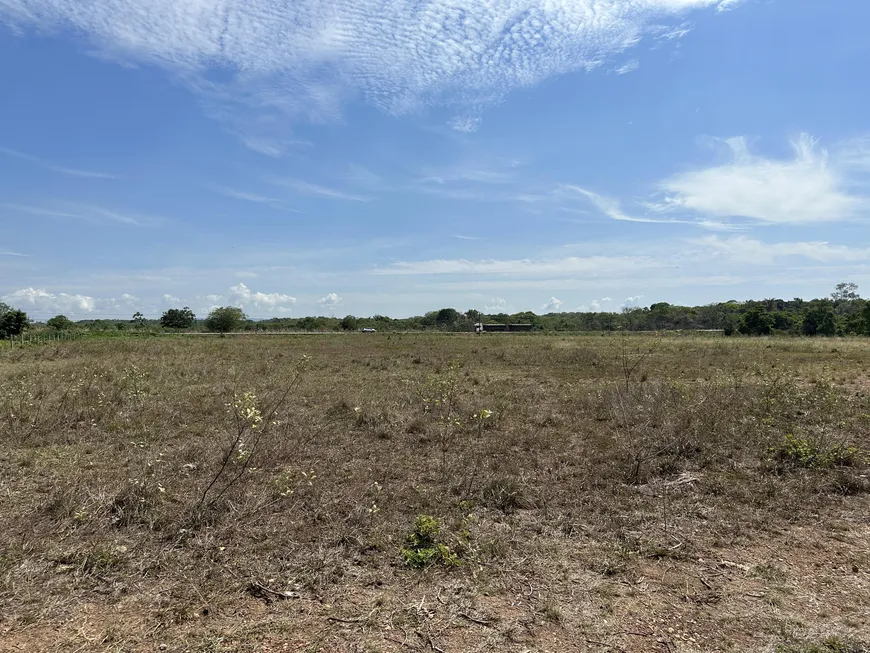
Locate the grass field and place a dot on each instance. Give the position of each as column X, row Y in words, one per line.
column 436, row 493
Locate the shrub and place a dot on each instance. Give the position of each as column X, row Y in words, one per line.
column 225, row 319
column 795, row 451
column 422, row 545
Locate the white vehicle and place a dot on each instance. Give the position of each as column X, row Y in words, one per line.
column 369, row 330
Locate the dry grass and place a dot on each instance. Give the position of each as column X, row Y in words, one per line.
column 626, row 494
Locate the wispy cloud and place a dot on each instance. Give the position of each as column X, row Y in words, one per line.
column 591, row 265
column 85, row 212
column 72, row 172
column 315, row 190
column 628, row 67
column 15, row 254
column 745, row 250
column 613, row 210
column 812, row 186
column 244, row 196
column 304, row 59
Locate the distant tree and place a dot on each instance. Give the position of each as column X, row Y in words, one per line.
column 756, row 322
column 349, row 323
column 12, row 322
column 138, row 319
column 525, row 317
column 474, row 315
column 60, row 323
column 428, row 320
column 865, row 314
column 730, row 324
column 820, row 321
column 845, row 291
column 178, row 318
column 309, row 324
column 783, row 321
column 225, row 319
column 446, row 317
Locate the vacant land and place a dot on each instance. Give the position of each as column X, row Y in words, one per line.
column 436, row 493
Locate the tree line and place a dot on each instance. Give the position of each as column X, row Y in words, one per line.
column 844, row 312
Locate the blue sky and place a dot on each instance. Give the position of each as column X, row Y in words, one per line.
column 378, row 156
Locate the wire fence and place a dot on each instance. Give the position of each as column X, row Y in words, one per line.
column 38, row 338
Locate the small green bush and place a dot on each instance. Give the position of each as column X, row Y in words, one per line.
column 423, row 547
column 796, row 451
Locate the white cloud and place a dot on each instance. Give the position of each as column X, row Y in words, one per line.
column 72, row 172
column 330, row 301
column 631, row 302
column 498, row 305
column 553, row 305
column 247, row 299
column 171, row 301
column 628, row 67
column 306, row 58
column 812, row 186
column 44, row 302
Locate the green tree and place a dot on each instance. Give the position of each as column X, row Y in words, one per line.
column 446, row 317
column 865, row 314
column 178, row 318
column 225, row 319
column 845, row 291
column 820, row 321
column 349, row 323
column 756, row 322
column 12, row 322
column 60, row 323
column 138, row 319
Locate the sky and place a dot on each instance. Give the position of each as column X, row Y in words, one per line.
column 333, row 157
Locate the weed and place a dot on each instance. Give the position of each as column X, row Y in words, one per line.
column 807, row 453
column 422, row 547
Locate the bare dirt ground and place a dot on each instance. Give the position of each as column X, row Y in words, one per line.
column 436, row 493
